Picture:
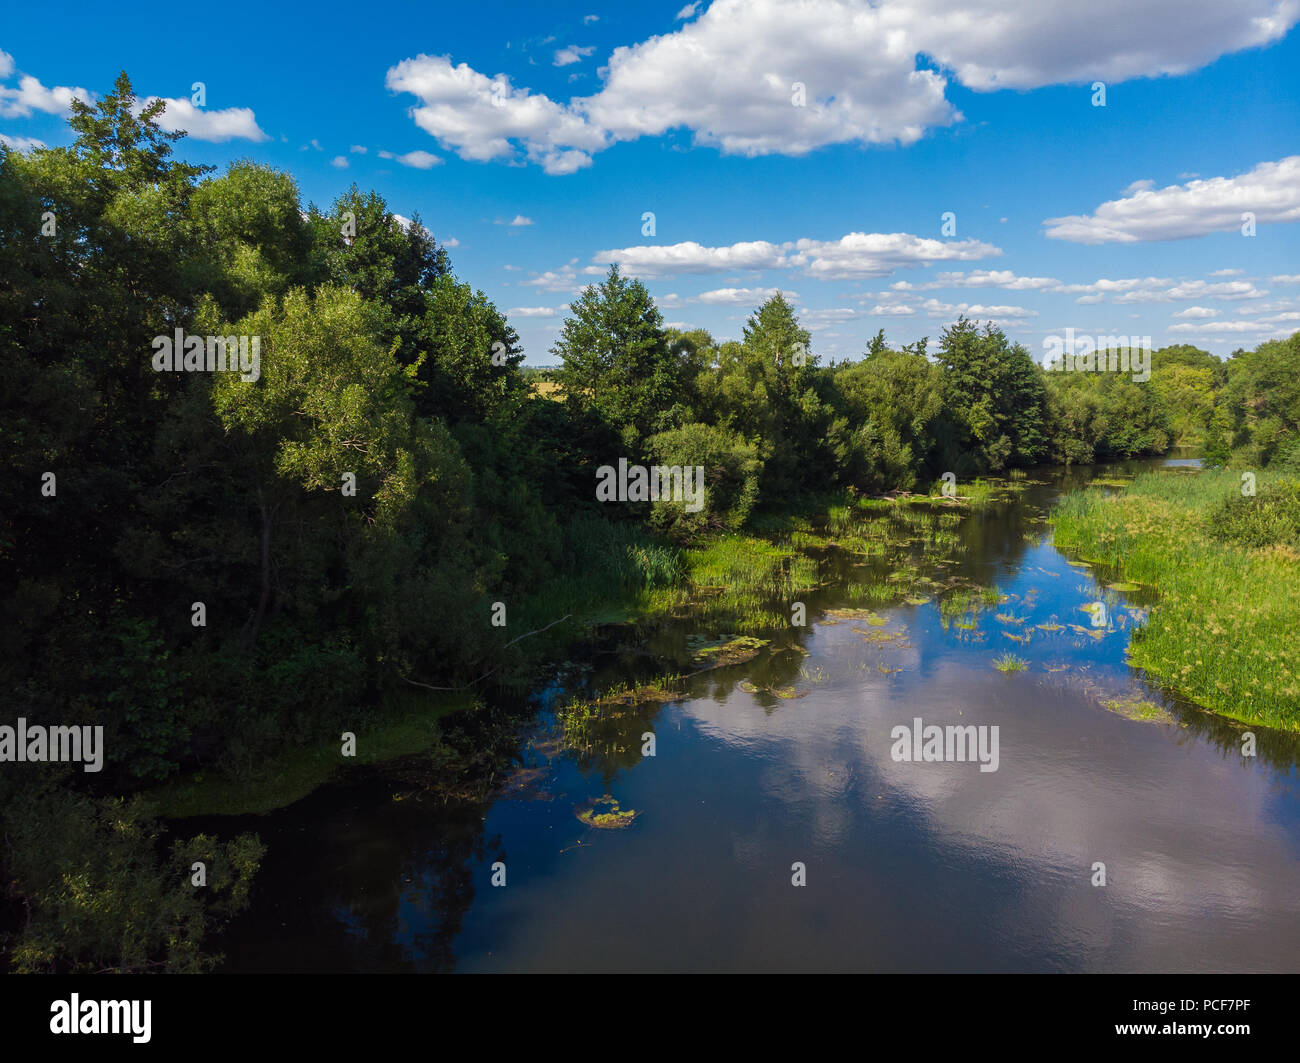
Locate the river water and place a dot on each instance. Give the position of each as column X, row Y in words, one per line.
column 788, row 759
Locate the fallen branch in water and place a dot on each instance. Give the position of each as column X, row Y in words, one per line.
column 472, row 682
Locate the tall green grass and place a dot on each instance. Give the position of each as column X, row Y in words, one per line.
column 1223, row 632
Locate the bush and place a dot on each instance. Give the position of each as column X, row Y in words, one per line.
column 731, row 472
column 1269, row 518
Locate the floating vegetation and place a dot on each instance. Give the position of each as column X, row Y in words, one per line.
column 1008, row 618
column 883, row 670
column 611, row 818
column 1017, row 638
column 917, row 600
column 1138, row 709
column 1009, row 663
column 1124, row 586
column 736, row 650
column 1049, row 627
column 785, row 693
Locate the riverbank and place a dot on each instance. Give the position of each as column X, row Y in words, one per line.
column 1223, row 633
column 739, row 582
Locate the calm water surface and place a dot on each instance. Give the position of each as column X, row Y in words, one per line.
column 909, row 866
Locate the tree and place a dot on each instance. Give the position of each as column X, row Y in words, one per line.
column 617, row 360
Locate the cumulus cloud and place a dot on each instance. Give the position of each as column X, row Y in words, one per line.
column 232, row 123
column 982, row 278
column 691, row 257
column 357, row 149
column 572, row 54
column 20, row 143
column 419, row 160
column 535, row 311
column 740, row 296
column 31, row 95
column 339, row 162
column 562, row 280
column 1197, row 312
column 483, row 119
column 730, row 75
column 879, row 254
column 853, row 255
column 1271, row 191
column 1161, row 290
column 1207, row 328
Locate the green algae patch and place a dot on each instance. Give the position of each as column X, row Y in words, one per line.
column 604, row 813
column 1138, row 709
column 735, row 651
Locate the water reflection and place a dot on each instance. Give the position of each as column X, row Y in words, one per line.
column 787, row 758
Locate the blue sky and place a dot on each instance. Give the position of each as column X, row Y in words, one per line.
column 533, row 140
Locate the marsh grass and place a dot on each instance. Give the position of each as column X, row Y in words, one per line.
column 1223, row 632
column 1009, row 663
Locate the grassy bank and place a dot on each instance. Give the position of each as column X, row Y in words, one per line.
column 1223, row 633
column 407, row 724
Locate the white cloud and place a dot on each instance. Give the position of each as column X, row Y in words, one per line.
column 216, row 127
column 357, row 149
column 935, row 308
column 340, row 162
column 879, row 254
column 534, row 311
column 483, row 118
column 20, row 143
column 6, row 66
column 853, row 255
column 1210, row 327
column 728, row 76
column 1271, row 191
column 1161, row 290
column 519, row 219
column 982, row 278
column 562, row 280
column 572, row 54
column 451, row 241
column 1285, row 278
column 406, row 223
column 31, row 95
column 1196, row 311
column 740, row 296
column 995, row 44
column 587, row 20
column 899, row 310
column 419, row 160
column 688, row 11
column 690, row 257
column 1227, row 273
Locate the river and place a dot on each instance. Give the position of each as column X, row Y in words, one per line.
column 789, row 759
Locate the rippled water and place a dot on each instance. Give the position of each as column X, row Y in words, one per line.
column 909, row 866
